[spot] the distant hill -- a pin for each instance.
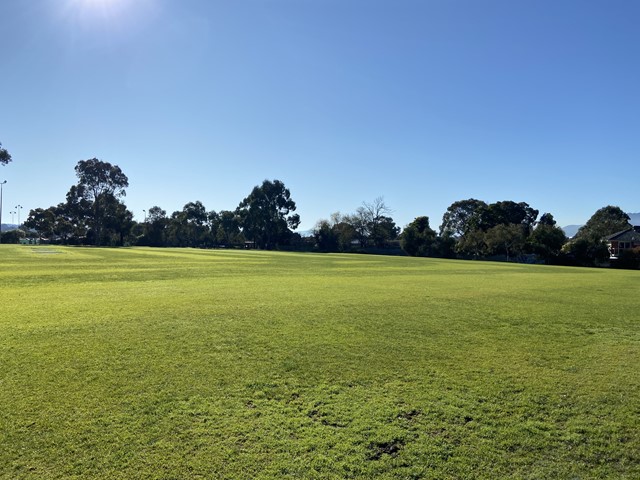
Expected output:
(571, 230)
(6, 227)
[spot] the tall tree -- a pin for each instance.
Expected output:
(117, 221)
(155, 227)
(190, 226)
(418, 239)
(265, 215)
(547, 239)
(461, 217)
(42, 221)
(77, 211)
(227, 228)
(97, 181)
(377, 221)
(505, 238)
(5, 156)
(588, 246)
(472, 243)
(606, 221)
(384, 231)
(344, 231)
(325, 236)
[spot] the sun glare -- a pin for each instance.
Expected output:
(97, 9)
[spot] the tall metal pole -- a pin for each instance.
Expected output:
(1, 184)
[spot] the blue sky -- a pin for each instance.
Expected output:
(422, 102)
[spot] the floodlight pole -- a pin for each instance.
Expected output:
(145, 216)
(18, 208)
(1, 184)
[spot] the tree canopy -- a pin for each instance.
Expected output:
(418, 238)
(100, 178)
(5, 156)
(100, 184)
(589, 246)
(94, 213)
(605, 221)
(265, 215)
(461, 216)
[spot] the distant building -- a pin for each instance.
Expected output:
(625, 240)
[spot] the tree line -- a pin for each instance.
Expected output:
(94, 213)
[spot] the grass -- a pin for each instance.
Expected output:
(168, 363)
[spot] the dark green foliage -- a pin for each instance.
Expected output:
(5, 156)
(506, 213)
(92, 213)
(589, 246)
(370, 228)
(628, 259)
(384, 231)
(374, 225)
(13, 236)
(337, 234)
(586, 251)
(472, 244)
(226, 229)
(482, 229)
(508, 239)
(606, 221)
(326, 237)
(100, 184)
(547, 238)
(460, 217)
(42, 221)
(265, 215)
(189, 227)
(99, 178)
(346, 234)
(154, 229)
(418, 239)
(117, 221)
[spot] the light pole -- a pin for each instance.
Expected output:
(18, 208)
(1, 184)
(145, 216)
(12, 214)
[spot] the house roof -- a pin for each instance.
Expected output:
(629, 235)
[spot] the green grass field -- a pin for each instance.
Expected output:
(174, 364)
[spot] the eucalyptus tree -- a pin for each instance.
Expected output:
(265, 215)
(100, 184)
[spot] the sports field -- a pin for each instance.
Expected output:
(177, 363)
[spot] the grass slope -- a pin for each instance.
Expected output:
(143, 363)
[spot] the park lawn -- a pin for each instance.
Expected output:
(180, 363)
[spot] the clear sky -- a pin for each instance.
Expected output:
(423, 102)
